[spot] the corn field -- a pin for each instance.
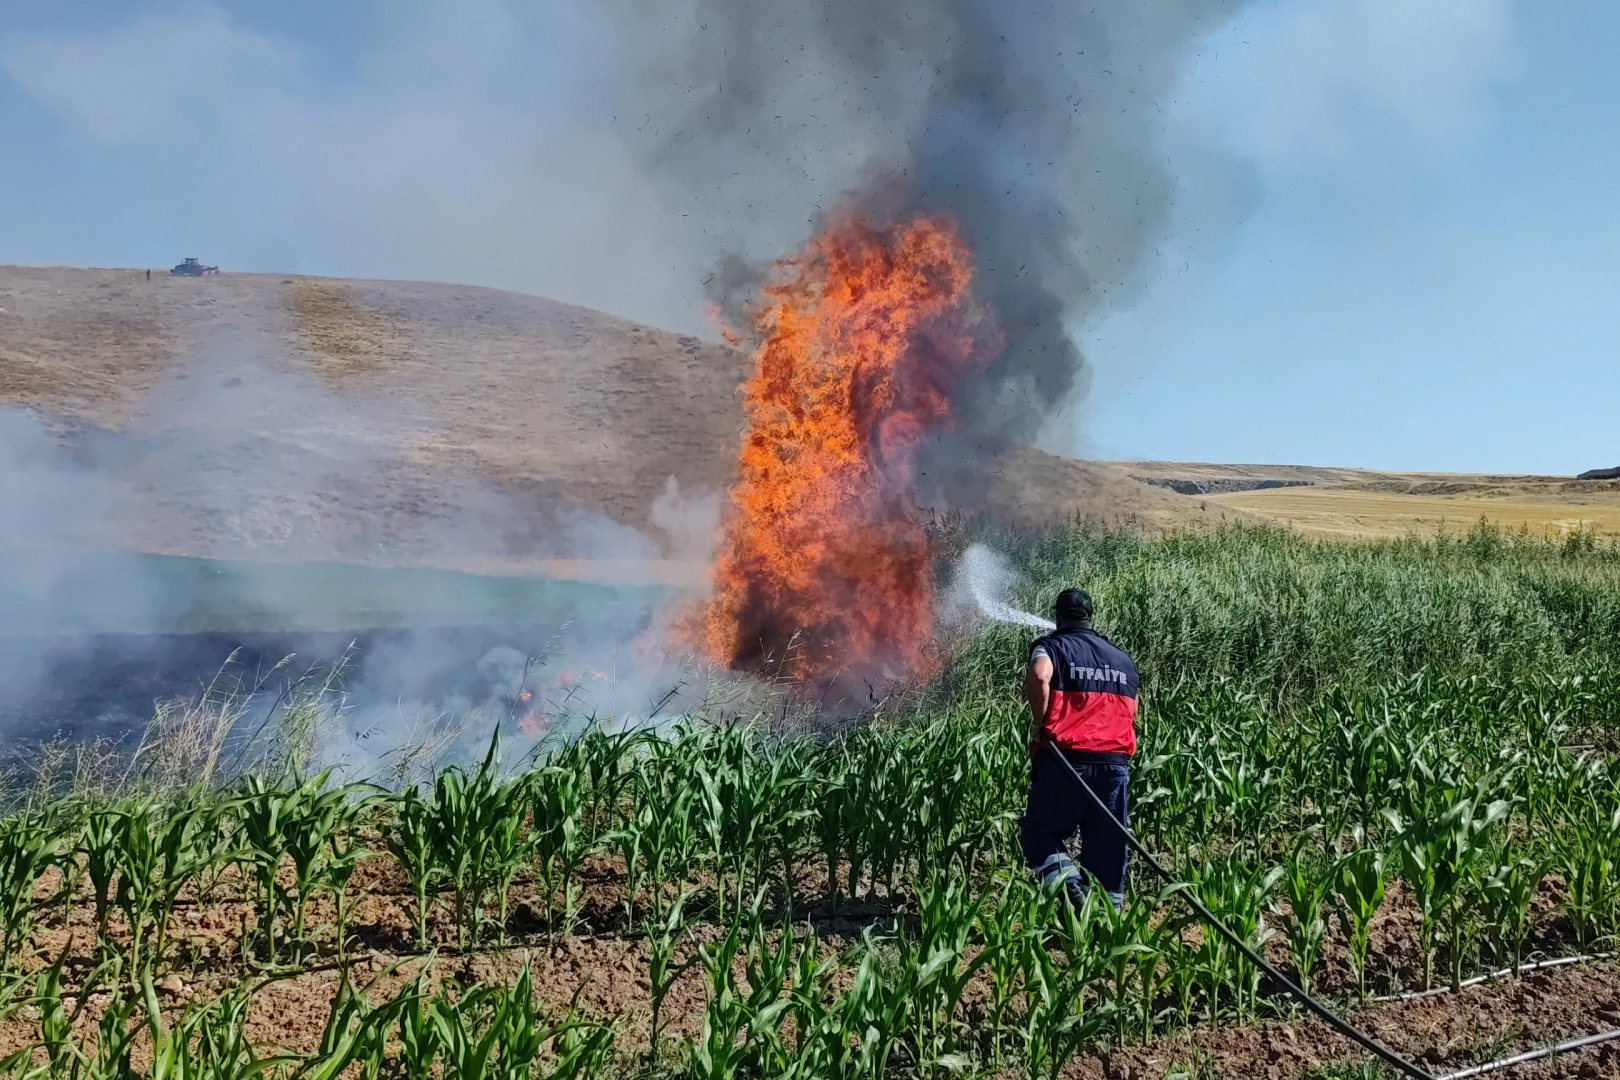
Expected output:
(854, 906)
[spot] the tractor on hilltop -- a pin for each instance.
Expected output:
(190, 267)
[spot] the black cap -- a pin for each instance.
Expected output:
(1073, 606)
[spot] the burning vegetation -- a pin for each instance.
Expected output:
(861, 340)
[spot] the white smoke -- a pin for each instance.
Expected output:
(247, 505)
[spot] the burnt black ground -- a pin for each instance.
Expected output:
(106, 686)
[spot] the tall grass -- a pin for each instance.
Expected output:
(1292, 617)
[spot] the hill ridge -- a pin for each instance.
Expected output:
(290, 416)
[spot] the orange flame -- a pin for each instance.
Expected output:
(823, 562)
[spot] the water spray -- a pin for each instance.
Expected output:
(984, 576)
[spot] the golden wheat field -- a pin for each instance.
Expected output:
(1371, 513)
(1366, 503)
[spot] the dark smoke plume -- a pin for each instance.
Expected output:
(1035, 124)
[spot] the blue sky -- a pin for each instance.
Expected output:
(1402, 289)
(1397, 237)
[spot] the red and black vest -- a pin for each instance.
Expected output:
(1093, 705)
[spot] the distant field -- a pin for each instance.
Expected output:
(1368, 513)
(1361, 502)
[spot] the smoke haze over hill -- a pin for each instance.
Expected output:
(490, 143)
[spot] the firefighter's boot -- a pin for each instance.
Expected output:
(1060, 867)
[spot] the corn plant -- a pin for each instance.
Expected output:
(209, 1041)
(1164, 951)
(1058, 1018)
(1306, 887)
(1436, 846)
(156, 852)
(417, 1034)
(64, 1055)
(662, 970)
(878, 782)
(1360, 747)
(492, 1032)
(13, 992)
(345, 851)
(1142, 942)
(960, 812)
(128, 1011)
(742, 800)
(558, 840)
(605, 762)
(98, 843)
(138, 861)
(1506, 889)
(355, 1037)
(507, 850)
(1588, 853)
(939, 967)
(834, 810)
(1358, 891)
(871, 1014)
(29, 844)
(282, 821)
(1172, 799)
(1248, 788)
(1011, 925)
(261, 807)
(471, 822)
(790, 824)
(1238, 895)
(823, 1045)
(1119, 937)
(741, 1020)
(316, 825)
(409, 839)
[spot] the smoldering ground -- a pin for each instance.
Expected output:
(249, 513)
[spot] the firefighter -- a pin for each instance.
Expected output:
(1081, 690)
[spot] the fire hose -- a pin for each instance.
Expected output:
(1338, 1023)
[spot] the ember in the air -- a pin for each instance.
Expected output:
(862, 338)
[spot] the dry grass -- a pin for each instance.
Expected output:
(1348, 512)
(343, 337)
(1364, 503)
(86, 350)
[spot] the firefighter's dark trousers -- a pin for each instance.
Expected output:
(1057, 808)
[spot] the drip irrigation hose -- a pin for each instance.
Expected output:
(1534, 1055)
(1492, 976)
(1342, 1026)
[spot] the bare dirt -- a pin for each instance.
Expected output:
(1443, 1034)
(295, 418)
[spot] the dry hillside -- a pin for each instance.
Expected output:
(283, 417)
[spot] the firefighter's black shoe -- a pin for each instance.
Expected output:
(1059, 867)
